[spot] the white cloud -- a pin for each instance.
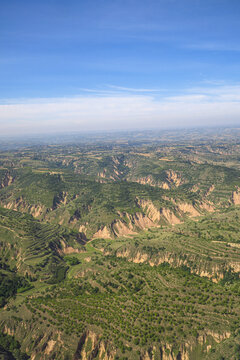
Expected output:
(135, 90)
(219, 105)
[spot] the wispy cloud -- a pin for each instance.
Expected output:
(218, 93)
(212, 105)
(136, 90)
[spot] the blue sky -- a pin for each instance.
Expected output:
(113, 64)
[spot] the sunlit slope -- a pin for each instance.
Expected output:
(35, 249)
(154, 192)
(127, 251)
(172, 290)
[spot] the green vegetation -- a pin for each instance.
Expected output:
(121, 250)
(10, 348)
(10, 284)
(140, 305)
(72, 260)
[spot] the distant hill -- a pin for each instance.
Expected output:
(127, 248)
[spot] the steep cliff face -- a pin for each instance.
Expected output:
(69, 212)
(141, 221)
(174, 178)
(7, 180)
(103, 233)
(90, 346)
(127, 224)
(148, 180)
(122, 228)
(188, 209)
(21, 205)
(60, 199)
(210, 190)
(155, 214)
(50, 345)
(65, 249)
(151, 216)
(207, 206)
(150, 209)
(102, 174)
(41, 343)
(186, 351)
(203, 268)
(170, 217)
(235, 199)
(166, 352)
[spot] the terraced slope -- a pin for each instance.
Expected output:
(121, 251)
(35, 249)
(155, 193)
(165, 292)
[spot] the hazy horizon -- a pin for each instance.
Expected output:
(76, 66)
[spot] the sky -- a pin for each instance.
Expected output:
(79, 65)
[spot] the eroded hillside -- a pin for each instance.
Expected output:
(121, 251)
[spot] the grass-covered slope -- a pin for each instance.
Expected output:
(165, 291)
(128, 310)
(89, 205)
(34, 249)
(121, 250)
